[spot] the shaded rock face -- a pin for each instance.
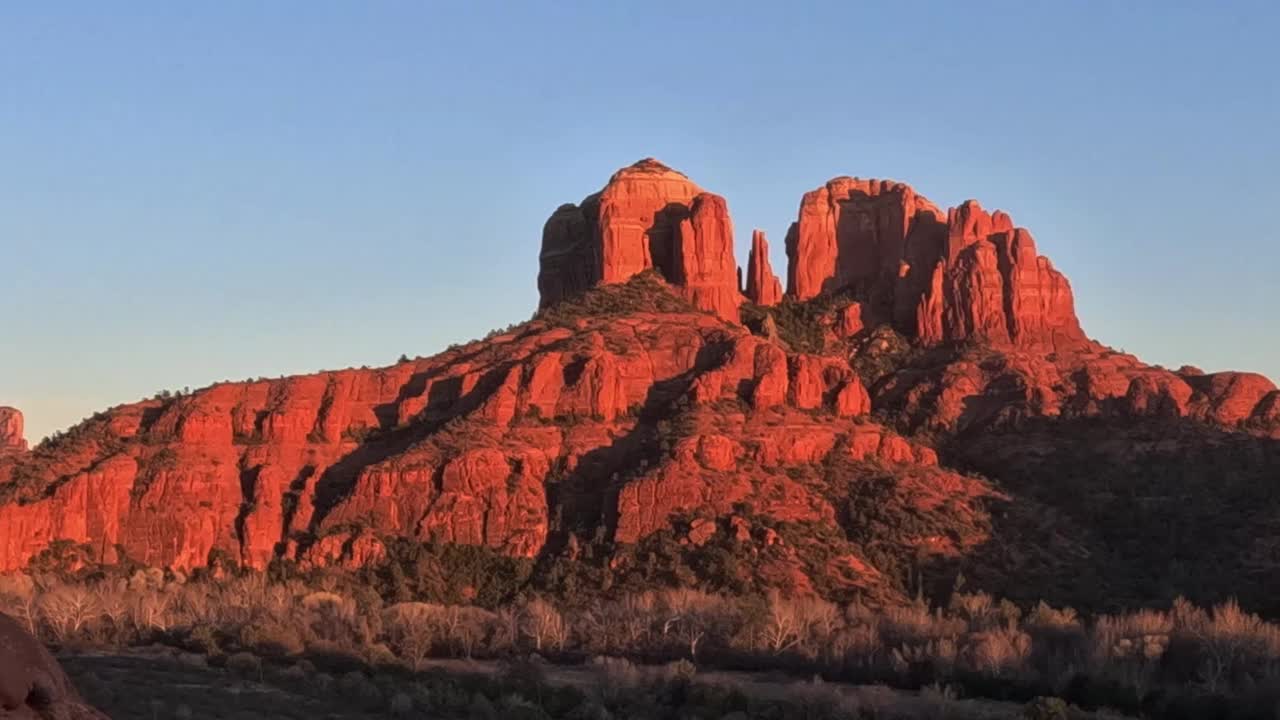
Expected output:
(763, 287)
(648, 217)
(32, 685)
(854, 232)
(965, 275)
(11, 437)
(977, 389)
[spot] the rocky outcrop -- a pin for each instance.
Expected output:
(965, 275)
(1232, 398)
(979, 389)
(995, 287)
(11, 434)
(648, 217)
(855, 232)
(961, 275)
(763, 287)
(740, 460)
(702, 267)
(32, 685)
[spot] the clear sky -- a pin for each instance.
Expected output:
(193, 192)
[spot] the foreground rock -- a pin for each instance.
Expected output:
(32, 685)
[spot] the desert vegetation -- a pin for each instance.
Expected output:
(643, 654)
(645, 292)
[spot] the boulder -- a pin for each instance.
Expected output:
(32, 684)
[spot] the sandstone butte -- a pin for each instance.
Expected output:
(648, 217)
(616, 414)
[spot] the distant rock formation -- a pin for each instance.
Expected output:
(11, 433)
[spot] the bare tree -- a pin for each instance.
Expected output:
(544, 624)
(114, 607)
(781, 628)
(68, 609)
(506, 629)
(413, 629)
(465, 627)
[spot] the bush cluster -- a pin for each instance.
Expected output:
(646, 292)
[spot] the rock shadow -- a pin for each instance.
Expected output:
(1116, 513)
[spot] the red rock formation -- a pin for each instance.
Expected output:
(744, 459)
(702, 266)
(1231, 398)
(11, 437)
(850, 320)
(460, 448)
(852, 399)
(636, 422)
(996, 288)
(861, 233)
(570, 261)
(970, 275)
(647, 217)
(964, 275)
(1159, 394)
(763, 287)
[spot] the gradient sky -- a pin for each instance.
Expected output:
(193, 192)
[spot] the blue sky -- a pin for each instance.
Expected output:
(197, 192)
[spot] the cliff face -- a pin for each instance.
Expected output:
(828, 436)
(963, 275)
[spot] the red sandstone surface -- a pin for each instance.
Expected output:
(763, 287)
(965, 274)
(647, 217)
(634, 419)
